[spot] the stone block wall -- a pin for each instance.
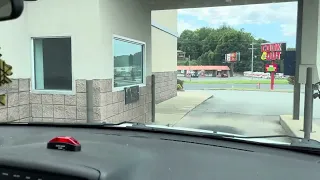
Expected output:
(110, 106)
(17, 106)
(59, 107)
(24, 106)
(166, 85)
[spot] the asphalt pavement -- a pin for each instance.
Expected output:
(244, 112)
(215, 78)
(222, 86)
(245, 86)
(257, 103)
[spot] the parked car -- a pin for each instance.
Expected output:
(195, 74)
(224, 75)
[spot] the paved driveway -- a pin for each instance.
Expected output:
(243, 112)
(245, 86)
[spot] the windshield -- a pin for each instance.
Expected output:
(227, 68)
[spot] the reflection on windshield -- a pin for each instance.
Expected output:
(227, 69)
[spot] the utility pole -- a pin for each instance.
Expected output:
(252, 55)
(189, 67)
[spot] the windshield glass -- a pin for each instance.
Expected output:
(228, 68)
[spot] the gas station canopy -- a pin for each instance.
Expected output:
(180, 4)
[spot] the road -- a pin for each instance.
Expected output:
(250, 86)
(215, 78)
(243, 112)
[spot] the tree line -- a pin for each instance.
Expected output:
(208, 46)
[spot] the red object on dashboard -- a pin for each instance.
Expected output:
(65, 139)
(65, 143)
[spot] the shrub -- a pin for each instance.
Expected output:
(180, 82)
(179, 87)
(291, 80)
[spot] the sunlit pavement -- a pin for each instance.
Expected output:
(243, 112)
(171, 111)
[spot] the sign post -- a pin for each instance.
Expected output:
(272, 78)
(272, 68)
(272, 52)
(232, 58)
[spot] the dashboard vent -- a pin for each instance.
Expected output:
(13, 173)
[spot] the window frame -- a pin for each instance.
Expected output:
(133, 41)
(33, 77)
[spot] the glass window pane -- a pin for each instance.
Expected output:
(52, 61)
(128, 63)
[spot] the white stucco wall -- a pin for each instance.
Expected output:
(14, 45)
(90, 24)
(164, 51)
(47, 18)
(164, 43)
(128, 19)
(166, 18)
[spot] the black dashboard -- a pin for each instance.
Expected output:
(113, 154)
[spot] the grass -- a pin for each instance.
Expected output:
(249, 81)
(251, 89)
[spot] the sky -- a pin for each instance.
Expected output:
(125, 48)
(274, 22)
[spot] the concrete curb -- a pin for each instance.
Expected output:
(286, 127)
(295, 127)
(288, 130)
(193, 109)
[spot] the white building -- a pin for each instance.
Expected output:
(65, 56)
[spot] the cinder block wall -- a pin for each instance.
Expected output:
(108, 106)
(166, 85)
(60, 108)
(17, 106)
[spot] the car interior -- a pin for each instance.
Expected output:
(120, 153)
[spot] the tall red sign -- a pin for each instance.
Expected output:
(271, 52)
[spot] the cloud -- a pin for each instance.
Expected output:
(183, 25)
(283, 13)
(289, 29)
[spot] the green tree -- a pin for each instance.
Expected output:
(291, 49)
(258, 64)
(207, 58)
(189, 43)
(209, 46)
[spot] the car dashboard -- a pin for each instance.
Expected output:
(119, 154)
